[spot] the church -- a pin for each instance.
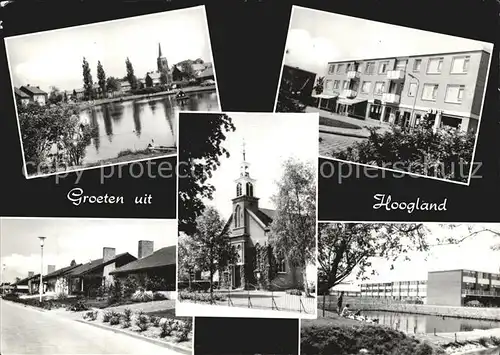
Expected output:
(249, 225)
(154, 78)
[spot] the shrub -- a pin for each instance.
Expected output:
(11, 297)
(62, 296)
(142, 322)
(294, 292)
(200, 296)
(115, 318)
(157, 296)
(91, 316)
(167, 328)
(79, 306)
(107, 316)
(126, 324)
(155, 320)
(444, 154)
(127, 315)
(142, 296)
(183, 335)
(130, 286)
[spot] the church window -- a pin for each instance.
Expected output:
(281, 264)
(238, 189)
(249, 189)
(237, 216)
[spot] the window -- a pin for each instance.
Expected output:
(435, 65)
(340, 67)
(329, 85)
(379, 88)
(237, 216)
(460, 65)
(382, 67)
(249, 189)
(401, 64)
(412, 89)
(429, 92)
(281, 264)
(417, 64)
(370, 66)
(331, 69)
(238, 190)
(366, 87)
(345, 85)
(454, 93)
(336, 84)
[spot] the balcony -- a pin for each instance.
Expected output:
(398, 74)
(390, 98)
(349, 94)
(353, 74)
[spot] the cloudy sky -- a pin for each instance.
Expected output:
(54, 58)
(79, 239)
(474, 254)
(317, 37)
(270, 139)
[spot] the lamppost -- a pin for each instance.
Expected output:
(3, 278)
(41, 267)
(416, 93)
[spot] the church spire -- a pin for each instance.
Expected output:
(159, 50)
(244, 159)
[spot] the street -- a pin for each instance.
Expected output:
(334, 142)
(28, 331)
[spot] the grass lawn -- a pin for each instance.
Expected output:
(332, 122)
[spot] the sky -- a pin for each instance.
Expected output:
(54, 58)
(77, 238)
(270, 139)
(474, 253)
(317, 37)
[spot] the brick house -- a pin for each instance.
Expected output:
(35, 94)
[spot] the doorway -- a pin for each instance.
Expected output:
(236, 276)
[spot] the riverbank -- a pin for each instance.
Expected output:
(129, 156)
(187, 90)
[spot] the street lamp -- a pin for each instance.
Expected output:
(41, 267)
(3, 278)
(416, 93)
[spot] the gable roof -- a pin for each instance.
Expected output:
(154, 75)
(209, 71)
(33, 90)
(60, 271)
(25, 280)
(162, 257)
(21, 94)
(94, 264)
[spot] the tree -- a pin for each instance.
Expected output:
(130, 74)
(87, 80)
(185, 257)
(163, 78)
(74, 95)
(319, 84)
(112, 84)
(211, 246)
(177, 75)
(187, 68)
(101, 77)
(43, 127)
(55, 95)
(198, 157)
(293, 230)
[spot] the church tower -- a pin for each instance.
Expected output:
(162, 62)
(245, 197)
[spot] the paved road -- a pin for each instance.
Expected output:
(28, 331)
(334, 142)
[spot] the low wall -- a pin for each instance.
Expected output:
(171, 295)
(382, 304)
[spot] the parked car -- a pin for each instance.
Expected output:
(208, 82)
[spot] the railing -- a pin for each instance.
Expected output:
(390, 98)
(353, 74)
(347, 93)
(397, 74)
(481, 293)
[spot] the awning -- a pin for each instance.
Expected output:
(350, 101)
(324, 96)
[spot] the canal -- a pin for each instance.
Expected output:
(418, 323)
(133, 124)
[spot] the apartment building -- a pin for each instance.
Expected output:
(458, 287)
(443, 89)
(396, 290)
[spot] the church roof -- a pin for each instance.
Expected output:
(264, 215)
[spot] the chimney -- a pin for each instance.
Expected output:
(108, 253)
(145, 248)
(38, 87)
(51, 268)
(31, 273)
(28, 85)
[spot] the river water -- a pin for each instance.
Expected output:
(418, 323)
(133, 124)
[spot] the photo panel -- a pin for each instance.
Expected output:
(391, 97)
(238, 336)
(110, 92)
(94, 286)
(247, 215)
(407, 288)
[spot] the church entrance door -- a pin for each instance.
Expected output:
(236, 276)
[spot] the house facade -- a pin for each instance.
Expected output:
(249, 227)
(297, 81)
(445, 88)
(22, 97)
(35, 94)
(396, 290)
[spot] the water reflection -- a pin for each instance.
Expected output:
(134, 124)
(418, 323)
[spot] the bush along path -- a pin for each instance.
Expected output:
(168, 330)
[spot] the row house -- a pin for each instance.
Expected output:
(396, 290)
(446, 88)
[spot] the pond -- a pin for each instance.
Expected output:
(419, 323)
(133, 124)
(486, 352)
